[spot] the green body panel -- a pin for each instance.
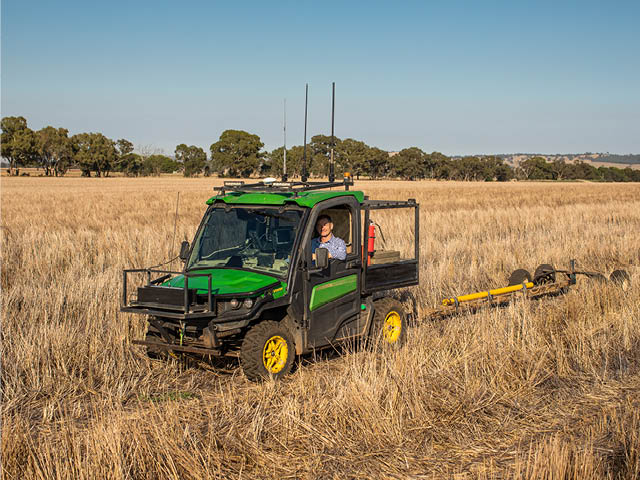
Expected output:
(280, 291)
(303, 199)
(332, 290)
(228, 281)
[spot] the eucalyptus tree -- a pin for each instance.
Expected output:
(55, 150)
(18, 143)
(94, 153)
(192, 158)
(237, 153)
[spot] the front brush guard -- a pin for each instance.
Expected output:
(171, 302)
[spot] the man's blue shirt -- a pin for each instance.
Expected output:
(336, 246)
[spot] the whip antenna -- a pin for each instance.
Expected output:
(175, 223)
(332, 176)
(284, 129)
(304, 150)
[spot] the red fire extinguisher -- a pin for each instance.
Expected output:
(371, 242)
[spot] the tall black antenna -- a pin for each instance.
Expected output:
(175, 225)
(304, 150)
(332, 176)
(284, 151)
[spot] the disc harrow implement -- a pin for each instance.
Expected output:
(546, 281)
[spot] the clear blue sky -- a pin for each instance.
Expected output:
(456, 77)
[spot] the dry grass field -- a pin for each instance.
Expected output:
(546, 389)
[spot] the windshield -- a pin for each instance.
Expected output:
(258, 239)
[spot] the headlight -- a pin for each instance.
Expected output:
(234, 303)
(248, 303)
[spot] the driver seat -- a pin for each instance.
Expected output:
(341, 225)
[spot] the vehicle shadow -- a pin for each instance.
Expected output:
(229, 366)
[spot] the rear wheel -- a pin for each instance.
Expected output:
(267, 351)
(390, 322)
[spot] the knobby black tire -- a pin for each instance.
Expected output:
(383, 307)
(253, 345)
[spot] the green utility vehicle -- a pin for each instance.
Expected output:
(251, 287)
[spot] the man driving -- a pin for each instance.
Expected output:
(326, 239)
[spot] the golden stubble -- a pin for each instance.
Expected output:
(541, 389)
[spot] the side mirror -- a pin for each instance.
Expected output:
(184, 251)
(322, 258)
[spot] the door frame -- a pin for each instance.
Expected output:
(352, 266)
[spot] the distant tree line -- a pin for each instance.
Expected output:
(538, 168)
(240, 154)
(55, 152)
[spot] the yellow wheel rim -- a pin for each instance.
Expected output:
(392, 326)
(275, 354)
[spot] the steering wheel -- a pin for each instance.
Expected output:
(255, 239)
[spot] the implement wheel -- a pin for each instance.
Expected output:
(519, 276)
(267, 351)
(390, 322)
(620, 277)
(545, 273)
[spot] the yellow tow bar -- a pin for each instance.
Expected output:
(496, 292)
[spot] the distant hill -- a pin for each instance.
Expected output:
(612, 158)
(596, 159)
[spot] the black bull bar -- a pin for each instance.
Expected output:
(172, 302)
(180, 303)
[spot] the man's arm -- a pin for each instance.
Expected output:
(341, 249)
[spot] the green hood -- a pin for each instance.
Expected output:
(226, 281)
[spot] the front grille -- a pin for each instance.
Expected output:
(163, 295)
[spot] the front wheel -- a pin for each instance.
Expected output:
(390, 322)
(267, 351)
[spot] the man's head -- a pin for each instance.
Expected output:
(324, 226)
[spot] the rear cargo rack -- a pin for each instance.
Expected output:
(376, 278)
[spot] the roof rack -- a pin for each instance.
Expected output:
(240, 186)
